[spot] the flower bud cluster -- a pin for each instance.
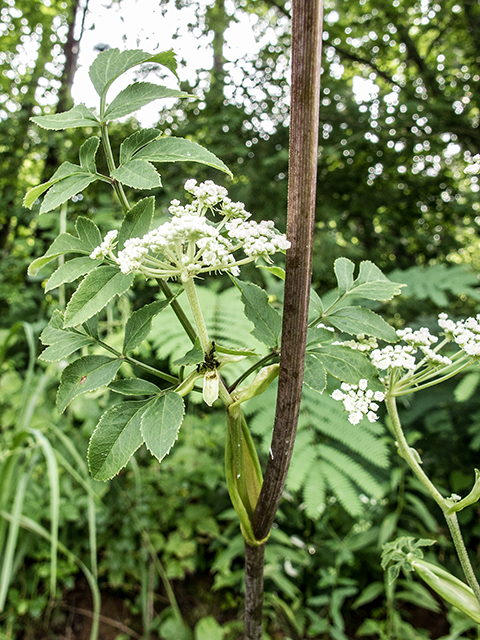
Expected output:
(191, 244)
(106, 246)
(359, 401)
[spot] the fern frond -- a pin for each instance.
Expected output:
(434, 282)
(303, 457)
(343, 489)
(350, 468)
(328, 417)
(314, 493)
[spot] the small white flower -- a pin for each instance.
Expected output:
(358, 401)
(398, 357)
(106, 246)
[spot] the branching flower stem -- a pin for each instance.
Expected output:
(412, 459)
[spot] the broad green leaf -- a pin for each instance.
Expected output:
(115, 439)
(135, 142)
(170, 149)
(372, 284)
(315, 302)
(234, 352)
(137, 221)
(314, 375)
(137, 95)
(109, 65)
(94, 293)
(138, 174)
(87, 154)
(70, 271)
(88, 239)
(267, 320)
(85, 374)
(134, 387)
(161, 423)
(344, 268)
(64, 346)
(65, 189)
(193, 356)
(79, 116)
(356, 320)
(277, 271)
(209, 629)
(139, 324)
(346, 364)
(65, 170)
(316, 336)
(91, 327)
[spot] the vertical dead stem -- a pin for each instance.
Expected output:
(307, 20)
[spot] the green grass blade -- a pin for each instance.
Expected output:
(9, 554)
(33, 526)
(53, 479)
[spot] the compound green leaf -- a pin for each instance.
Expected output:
(138, 174)
(137, 221)
(134, 387)
(267, 320)
(65, 170)
(66, 344)
(109, 65)
(94, 293)
(356, 320)
(79, 116)
(135, 142)
(87, 154)
(344, 268)
(346, 364)
(85, 374)
(137, 95)
(161, 423)
(65, 189)
(88, 238)
(139, 324)
(314, 374)
(115, 439)
(372, 284)
(170, 149)
(70, 271)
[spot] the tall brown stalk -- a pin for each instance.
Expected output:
(307, 23)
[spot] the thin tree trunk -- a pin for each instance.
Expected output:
(307, 21)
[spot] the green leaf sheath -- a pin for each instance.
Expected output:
(161, 423)
(94, 293)
(266, 319)
(356, 320)
(137, 221)
(85, 374)
(140, 323)
(115, 439)
(136, 96)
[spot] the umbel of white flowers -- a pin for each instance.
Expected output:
(190, 244)
(415, 365)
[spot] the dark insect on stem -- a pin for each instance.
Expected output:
(210, 363)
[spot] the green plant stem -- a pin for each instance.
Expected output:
(261, 363)
(198, 318)
(411, 458)
(178, 311)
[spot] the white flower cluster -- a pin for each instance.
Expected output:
(363, 343)
(465, 333)
(106, 246)
(394, 357)
(475, 167)
(190, 244)
(359, 401)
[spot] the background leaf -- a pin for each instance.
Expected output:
(85, 374)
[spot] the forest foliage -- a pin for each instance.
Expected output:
(400, 122)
